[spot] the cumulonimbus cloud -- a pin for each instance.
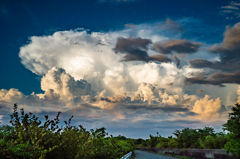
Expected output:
(84, 77)
(82, 56)
(65, 85)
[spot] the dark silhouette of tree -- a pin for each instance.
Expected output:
(233, 126)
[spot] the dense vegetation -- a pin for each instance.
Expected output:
(27, 138)
(233, 126)
(204, 138)
(188, 138)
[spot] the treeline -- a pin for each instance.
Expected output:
(187, 138)
(205, 138)
(27, 138)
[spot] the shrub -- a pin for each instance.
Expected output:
(27, 139)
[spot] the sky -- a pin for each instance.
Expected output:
(136, 67)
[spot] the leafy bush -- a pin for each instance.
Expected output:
(27, 139)
(145, 143)
(208, 142)
(233, 145)
(153, 141)
(163, 143)
(172, 143)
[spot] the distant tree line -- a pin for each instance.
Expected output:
(205, 138)
(187, 138)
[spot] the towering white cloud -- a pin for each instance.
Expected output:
(207, 108)
(11, 95)
(58, 84)
(146, 92)
(90, 56)
(116, 80)
(84, 77)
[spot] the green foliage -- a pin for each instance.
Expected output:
(27, 139)
(145, 143)
(232, 145)
(193, 138)
(203, 138)
(172, 143)
(163, 142)
(153, 140)
(138, 141)
(188, 138)
(233, 126)
(208, 142)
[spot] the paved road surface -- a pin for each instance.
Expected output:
(148, 155)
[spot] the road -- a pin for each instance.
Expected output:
(148, 155)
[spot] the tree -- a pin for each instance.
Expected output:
(153, 140)
(233, 126)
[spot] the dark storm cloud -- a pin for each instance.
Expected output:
(171, 25)
(176, 60)
(178, 46)
(229, 53)
(134, 48)
(216, 79)
(160, 58)
(224, 66)
(229, 49)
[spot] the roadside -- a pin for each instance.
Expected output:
(149, 155)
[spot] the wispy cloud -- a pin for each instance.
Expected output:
(231, 10)
(235, 3)
(171, 25)
(230, 7)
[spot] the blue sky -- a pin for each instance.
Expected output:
(145, 63)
